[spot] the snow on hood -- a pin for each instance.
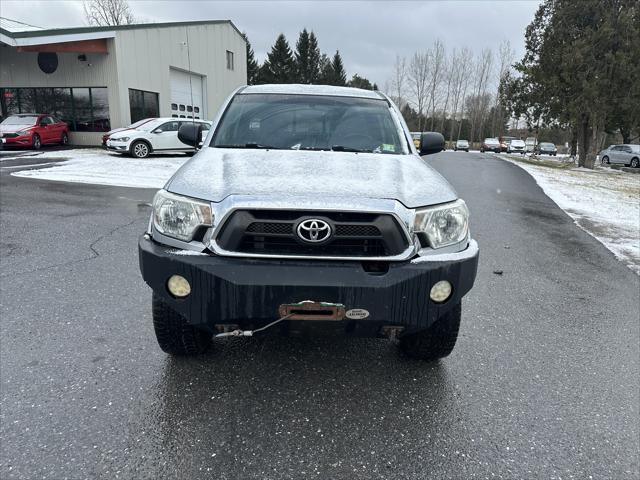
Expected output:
(215, 173)
(10, 128)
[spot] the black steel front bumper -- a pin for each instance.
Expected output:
(226, 290)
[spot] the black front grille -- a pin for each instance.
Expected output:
(273, 232)
(268, 227)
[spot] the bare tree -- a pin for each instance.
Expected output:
(450, 77)
(506, 55)
(399, 80)
(108, 12)
(437, 61)
(418, 76)
(461, 69)
(481, 77)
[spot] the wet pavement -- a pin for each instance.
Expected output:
(543, 382)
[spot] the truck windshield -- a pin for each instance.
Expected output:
(308, 122)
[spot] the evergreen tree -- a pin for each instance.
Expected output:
(326, 71)
(360, 82)
(580, 66)
(252, 64)
(279, 65)
(339, 75)
(307, 58)
(301, 56)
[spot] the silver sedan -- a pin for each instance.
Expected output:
(621, 154)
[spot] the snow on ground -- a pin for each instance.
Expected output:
(603, 202)
(91, 165)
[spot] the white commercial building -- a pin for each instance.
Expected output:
(99, 78)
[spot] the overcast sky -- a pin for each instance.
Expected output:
(368, 34)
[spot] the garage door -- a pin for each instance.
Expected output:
(186, 94)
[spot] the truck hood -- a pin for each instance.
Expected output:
(215, 173)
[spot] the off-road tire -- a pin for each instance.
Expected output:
(435, 342)
(175, 336)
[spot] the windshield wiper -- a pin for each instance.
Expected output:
(340, 148)
(247, 145)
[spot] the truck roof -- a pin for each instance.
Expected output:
(299, 89)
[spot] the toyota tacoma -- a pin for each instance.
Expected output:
(308, 206)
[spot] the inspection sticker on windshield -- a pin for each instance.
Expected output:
(357, 313)
(388, 147)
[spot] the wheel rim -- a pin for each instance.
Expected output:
(36, 142)
(634, 163)
(65, 139)
(140, 150)
(606, 159)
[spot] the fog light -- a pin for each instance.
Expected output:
(441, 291)
(178, 286)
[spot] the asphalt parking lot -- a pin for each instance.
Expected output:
(542, 384)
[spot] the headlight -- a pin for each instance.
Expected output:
(443, 225)
(179, 217)
(121, 139)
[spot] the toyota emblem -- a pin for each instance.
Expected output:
(314, 230)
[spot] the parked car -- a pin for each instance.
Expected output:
(516, 146)
(135, 125)
(461, 145)
(157, 135)
(627, 154)
(546, 148)
(287, 216)
(33, 130)
(504, 143)
(490, 145)
(530, 144)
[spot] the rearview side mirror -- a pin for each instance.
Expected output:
(190, 134)
(431, 142)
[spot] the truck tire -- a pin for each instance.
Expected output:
(175, 336)
(435, 342)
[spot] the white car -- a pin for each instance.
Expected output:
(516, 146)
(158, 135)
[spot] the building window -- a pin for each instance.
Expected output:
(84, 109)
(229, 60)
(189, 108)
(143, 104)
(182, 108)
(174, 106)
(196, 109)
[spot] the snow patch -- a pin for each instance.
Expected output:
(99, 167)
(603, 202)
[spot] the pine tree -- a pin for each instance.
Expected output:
(252, 64)
(279, 65)
(313, 73)
(307, 58)
(360, 82)
(581, 65)
(339, 75)
(326, 71)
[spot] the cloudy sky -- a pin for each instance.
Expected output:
(368, 34)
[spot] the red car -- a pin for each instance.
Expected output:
(33, 130)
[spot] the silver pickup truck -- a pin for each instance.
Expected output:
(308, 206)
